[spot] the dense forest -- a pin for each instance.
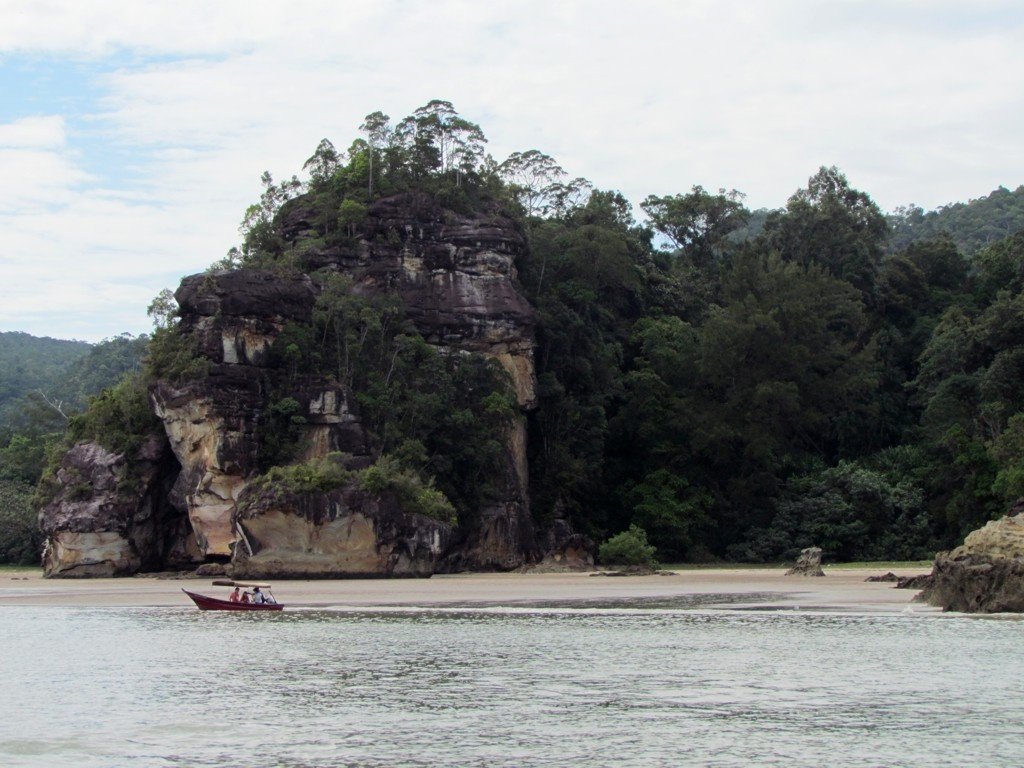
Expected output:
(44, 383)
(738, 384)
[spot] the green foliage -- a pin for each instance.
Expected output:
(119, 418)
(434, 150)
(629, 547)
(44, 381)
(174, 357)
(830, 224)
(313, 476)
(414, 495)
(1008, 450)
(280, 428)
(697, 223)
(20, 538)
(28, 363)
(351, 213)
(781, 378)
(446, 412)
(851, 512)
(587, 273)
(22, 457)
(670, 509)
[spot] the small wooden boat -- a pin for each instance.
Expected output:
(206, 603)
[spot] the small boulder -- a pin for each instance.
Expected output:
(808, 564)
(212, 569)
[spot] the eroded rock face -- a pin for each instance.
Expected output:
(233, 317)
(986, 573)
(456, 277)
(455, 274)
(345, 533)
(112, 517)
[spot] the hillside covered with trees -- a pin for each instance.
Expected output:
(763, 381)
(44, 383)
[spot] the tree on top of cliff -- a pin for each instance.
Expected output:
(537, 183)
(434, 150)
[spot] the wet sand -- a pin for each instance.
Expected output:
(761, 588)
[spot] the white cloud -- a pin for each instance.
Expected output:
(33, 133)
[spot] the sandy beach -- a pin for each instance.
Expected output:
(767, 588)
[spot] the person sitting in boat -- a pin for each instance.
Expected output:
(258, 597)
(269, 599)
(236, 596)
(245, 598)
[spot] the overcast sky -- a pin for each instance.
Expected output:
(133, 134)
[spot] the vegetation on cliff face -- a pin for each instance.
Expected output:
(386, 475)
(758, 382)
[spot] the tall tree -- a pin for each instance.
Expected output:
(698, 222)
(832, 224)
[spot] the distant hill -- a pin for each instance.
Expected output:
(971, 225)
(62, 370)
(29, 363)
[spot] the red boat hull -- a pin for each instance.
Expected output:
(205, 603)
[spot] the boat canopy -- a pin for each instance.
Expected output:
(246, 584)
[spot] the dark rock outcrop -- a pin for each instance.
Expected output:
(112, 515)
(808, 564)
(921, 581)
(986, 573)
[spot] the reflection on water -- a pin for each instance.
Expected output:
(651, 683)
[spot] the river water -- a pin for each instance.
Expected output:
(547, 686)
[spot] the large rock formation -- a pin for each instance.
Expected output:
(112, 514)
(455, 277)
(986, 573)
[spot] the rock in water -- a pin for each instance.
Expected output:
(986, 573)
(808, 564)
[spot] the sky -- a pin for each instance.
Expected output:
(133, 135)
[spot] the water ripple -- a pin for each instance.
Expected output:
(571, 684)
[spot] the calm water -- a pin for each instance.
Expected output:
(526, 687)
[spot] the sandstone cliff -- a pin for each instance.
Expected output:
(454, 275)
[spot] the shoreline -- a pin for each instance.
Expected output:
(840, 590)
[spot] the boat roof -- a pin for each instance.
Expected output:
(231, 583)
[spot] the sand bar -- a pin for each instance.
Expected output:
(840, 590)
